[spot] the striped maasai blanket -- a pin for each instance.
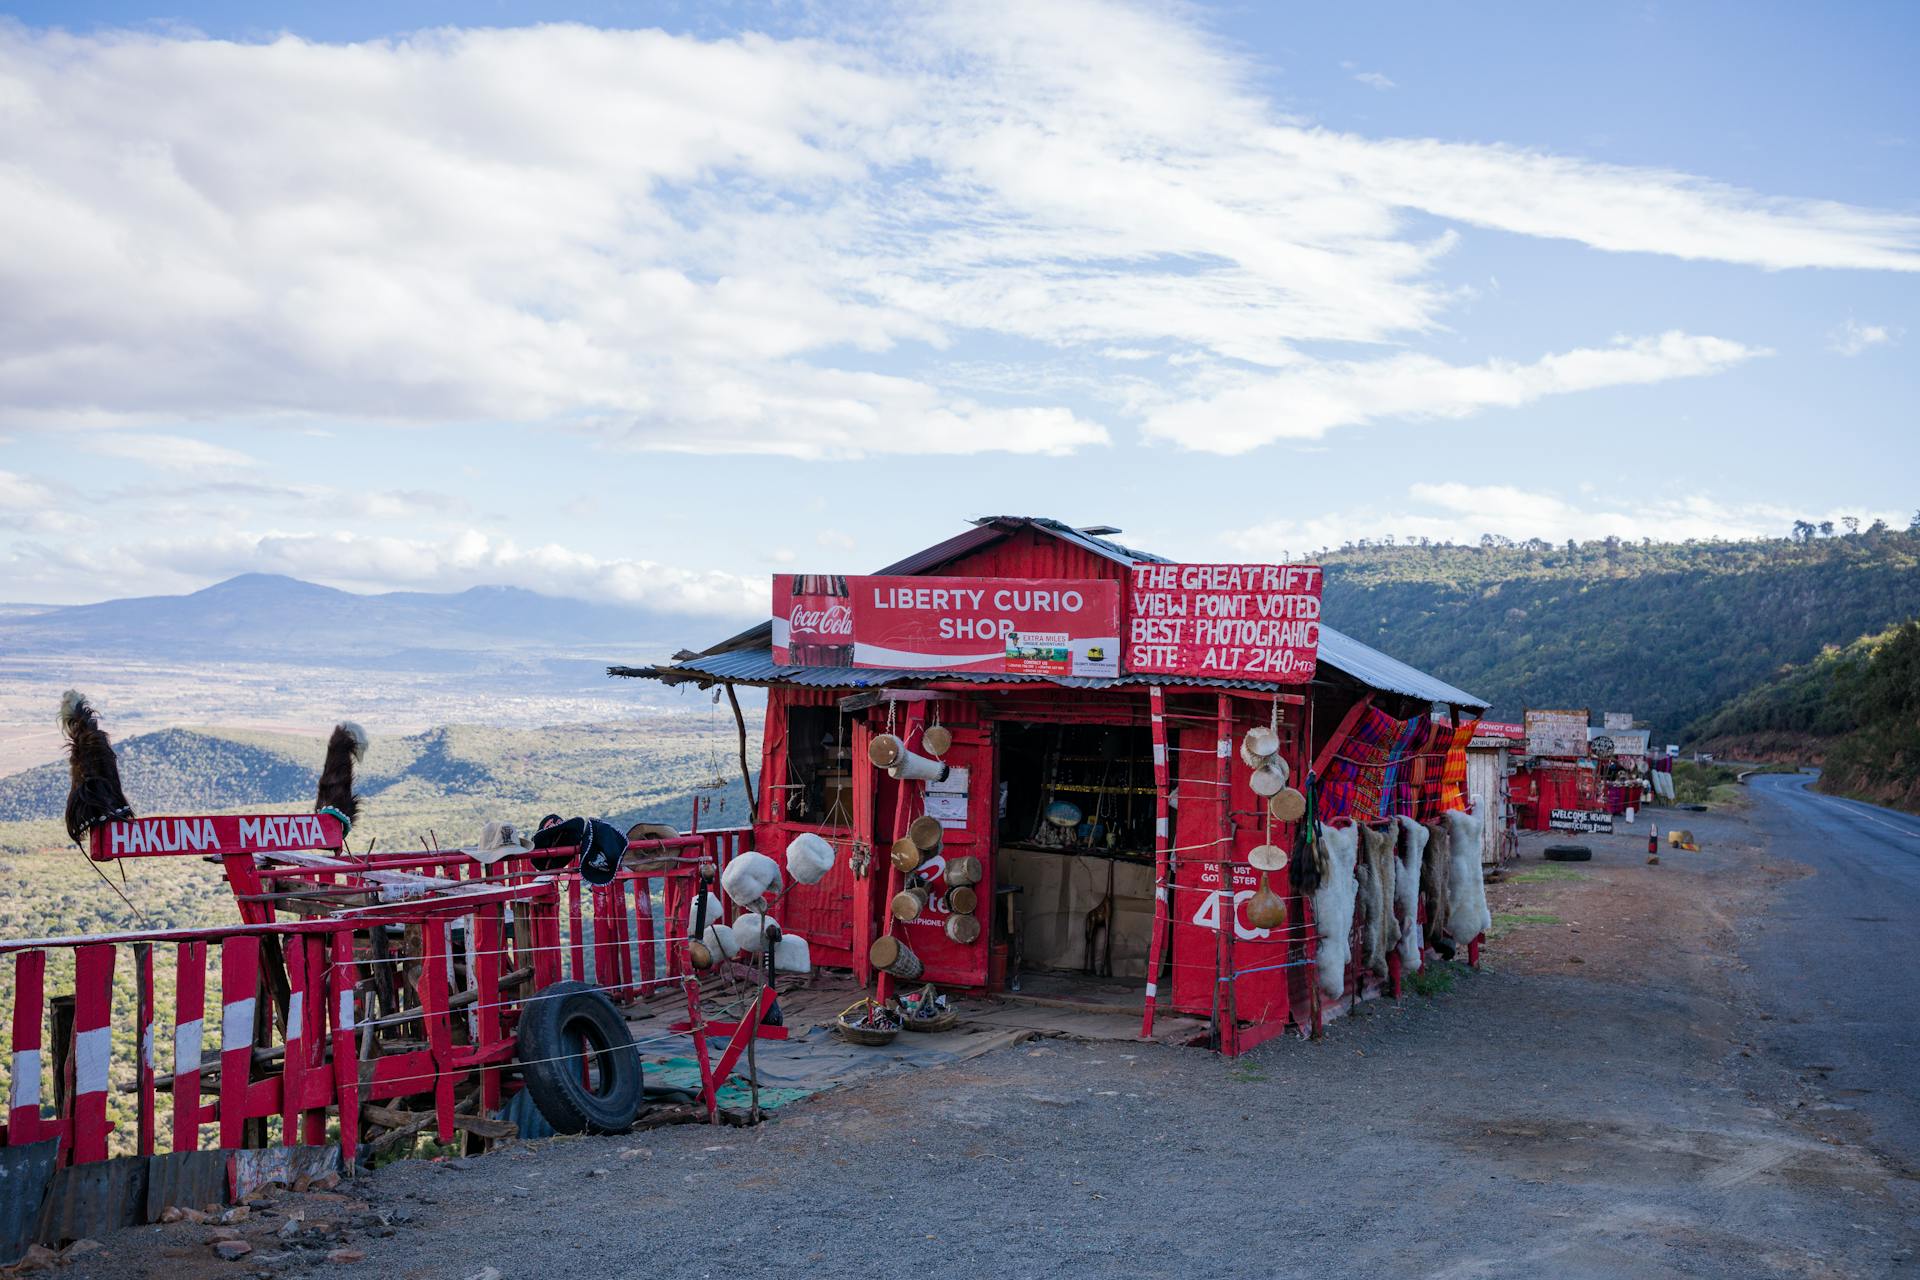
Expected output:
(1350, 788)
(1453, 780)
(1397, 793)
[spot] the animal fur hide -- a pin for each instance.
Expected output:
(1433, 886)
(1333, 907)
(1379, 931)
(1467, 916)
(93, 791)
(347, 745)
(1411, 851)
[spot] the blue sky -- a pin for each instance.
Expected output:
(657, 302)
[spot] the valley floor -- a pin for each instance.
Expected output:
(1632, 1086)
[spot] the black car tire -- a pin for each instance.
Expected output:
(562, 1024)
(1567, 853)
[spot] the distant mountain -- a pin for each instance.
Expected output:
(264, 617)
(172, 771)
(441, 783)
(1667, 631)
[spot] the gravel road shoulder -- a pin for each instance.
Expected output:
(1589, 1104)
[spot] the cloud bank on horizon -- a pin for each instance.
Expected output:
(768, 246)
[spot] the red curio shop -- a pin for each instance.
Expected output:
(1071, 713)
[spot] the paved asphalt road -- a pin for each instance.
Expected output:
(1829, 960)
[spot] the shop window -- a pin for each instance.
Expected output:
(819, 786)
(1078, 789)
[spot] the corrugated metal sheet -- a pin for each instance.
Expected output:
(255, 1167)
(1378, 671)
(1051, 549)
(93, 1199)
(756, 666)
(26, 1176)
(185, 1180)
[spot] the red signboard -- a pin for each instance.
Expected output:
(1021, 626)
(216, 833)
(1250, 621)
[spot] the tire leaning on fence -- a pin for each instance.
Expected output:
(579, 1060)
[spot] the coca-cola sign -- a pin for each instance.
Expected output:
(1017, 626)
(834, 620)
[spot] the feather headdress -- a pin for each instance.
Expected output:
(347, 745)
(93, 795)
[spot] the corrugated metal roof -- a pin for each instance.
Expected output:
(1341, 652)
(1379, 671)
(749, 657)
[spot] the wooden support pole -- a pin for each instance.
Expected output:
(740, 727)
(1162, 844)
(1229, 895)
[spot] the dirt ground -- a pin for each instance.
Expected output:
(1590, 1103)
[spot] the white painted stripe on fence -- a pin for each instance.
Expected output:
(345, 1020)
(1220, 748)
(92, 1050)
(296, 1014)
(26, 1078)
(236, 1025)
(186, 1046)
(1152, 990)
(1160, 827)
(1160, 753)
(146, 1046)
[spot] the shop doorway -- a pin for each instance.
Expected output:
(1077, 846)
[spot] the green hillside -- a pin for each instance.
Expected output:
(1668, 631)
(1856, 709)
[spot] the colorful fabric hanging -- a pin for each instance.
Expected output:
(1453, 779)
(1351, 785)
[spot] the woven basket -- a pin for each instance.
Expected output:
(945, 1020)
(849, 1030)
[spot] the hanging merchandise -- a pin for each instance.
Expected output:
(1270, 778)
(1380, 931)
(927, 835)
(1333, 903)
(809, 858)
(1267, 909)
(750, 878)
(1406, 892)
(896, 957)
(1260, 745)
(938, 739)
(886, 751)
(750, 932)
(791, 954)
(1286, 805)
(962, 900)
(910, 902)
(964, 870)
(906, 856)
(963, 929)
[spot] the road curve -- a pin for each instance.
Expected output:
(1833, 961)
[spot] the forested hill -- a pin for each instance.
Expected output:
(1856, 709)
(1668, 631)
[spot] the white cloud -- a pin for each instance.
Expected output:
(375, 562)
(1307, 402)
(1453, 511)
(167, 452)
(1853, 338)
(1374, 80)
(30, 506)
(752, 244)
